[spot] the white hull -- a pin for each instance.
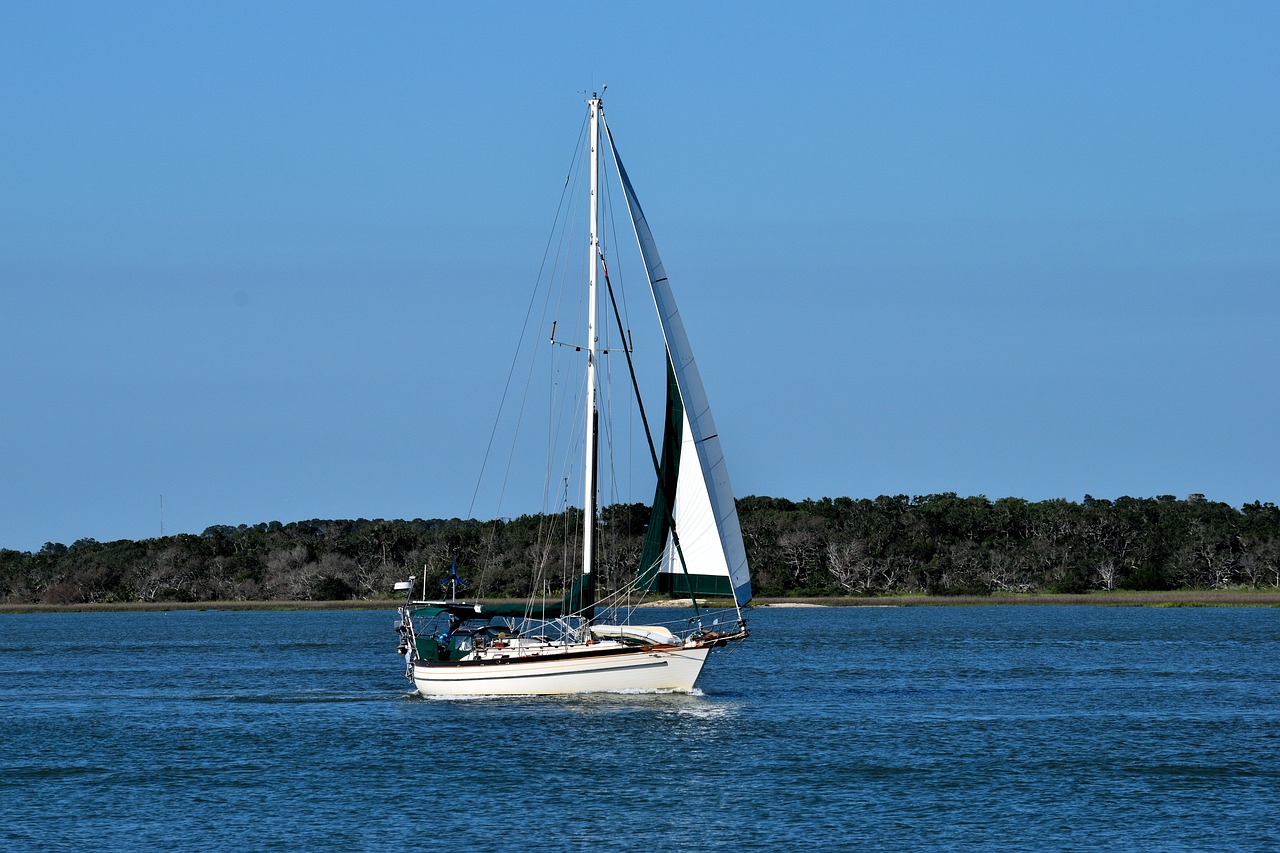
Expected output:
(668, 669)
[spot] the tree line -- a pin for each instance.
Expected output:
(937, 544)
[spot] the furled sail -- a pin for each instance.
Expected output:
(706, 520)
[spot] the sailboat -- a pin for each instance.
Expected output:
(589, 641)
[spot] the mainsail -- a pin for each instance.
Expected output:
(701, 505)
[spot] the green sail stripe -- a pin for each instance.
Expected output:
(681, 585)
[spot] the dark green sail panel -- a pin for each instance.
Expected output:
(679, 585)
(648, 578)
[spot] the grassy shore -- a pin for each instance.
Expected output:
(1178, 598)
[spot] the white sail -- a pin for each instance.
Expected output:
(706, 519)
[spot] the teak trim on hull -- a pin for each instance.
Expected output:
(547, 659)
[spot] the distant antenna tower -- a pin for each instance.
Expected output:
(162, 516)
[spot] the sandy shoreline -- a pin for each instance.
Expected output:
(1180, 598)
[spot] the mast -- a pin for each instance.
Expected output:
(592, 441)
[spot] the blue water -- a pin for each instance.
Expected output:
(920, 729)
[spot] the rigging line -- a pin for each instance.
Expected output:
(560, 415)
(608, 547)
(544, 537)
(653, 454)
(627, 341)
(607, 191)
(555, 361)
(547, 525)
(568, 414)
(520, 343)
(563, 404)
(564, 236)
(622, 285)
(567, 407)
(609, 428)
(566, 544)
(574, 468)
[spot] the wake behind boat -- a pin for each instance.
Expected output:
(586, 642)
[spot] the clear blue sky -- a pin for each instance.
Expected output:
(261, 259)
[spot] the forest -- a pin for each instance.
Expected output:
(934, 544)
